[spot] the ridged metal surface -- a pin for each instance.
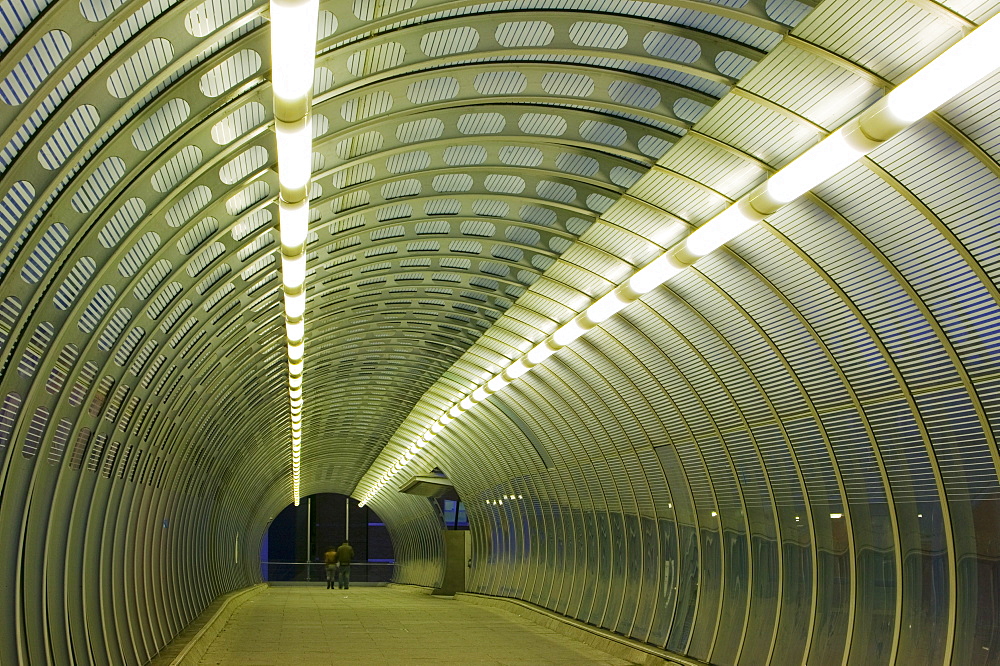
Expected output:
(481, 171)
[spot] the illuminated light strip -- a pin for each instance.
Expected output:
(293, 52)
(962, 65)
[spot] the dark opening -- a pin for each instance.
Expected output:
(293, 547)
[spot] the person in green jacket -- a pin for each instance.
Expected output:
(344, 556)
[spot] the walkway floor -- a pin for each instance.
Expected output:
(302, 626)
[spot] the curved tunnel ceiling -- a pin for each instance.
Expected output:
(480, 172)
(459, 151)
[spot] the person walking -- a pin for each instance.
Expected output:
(330, 559)
(344, 556)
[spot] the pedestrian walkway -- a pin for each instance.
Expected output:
(303, 626)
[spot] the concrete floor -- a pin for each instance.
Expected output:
(303, 626)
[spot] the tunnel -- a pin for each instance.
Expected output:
(693, 303)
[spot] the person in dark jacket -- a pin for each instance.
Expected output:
(344, 556)
(330, 559)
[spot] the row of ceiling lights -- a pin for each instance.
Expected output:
(962, 65)
(293, 51)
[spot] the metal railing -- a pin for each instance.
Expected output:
(361, 572)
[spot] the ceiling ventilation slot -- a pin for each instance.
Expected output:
(109, 460)
(204, 259)
(209, 16)
(35, 67)
(580, 165)
(217, 296)
(426, 129)
(48, 248)
(523, 236)
(449, 42)
(136, 257)
(8, 417)
(362, 144)
(94, 461)
(244, 164)
(599, 203)
(140, 360)
(494, 268)
(464, 155)
(174, 316)
(98, 184)
(152, 279)
(367, 106)
(671, 47)
(36, 347)
(596, 35)
(624, 177)
(384, 233)
(103, 389)
(262, 283)
(256, 267)
(603, 133)
(478, 228)
(504, 184)
(126, 418)
(68, 137)
(59, 439)
(415, 160)
(185, 328)
(401, 188)
(140, 68)
(82, 384)
(520, 156)
(456, 263)
(185, 209)
(60, 370)
(238, 123)
(158, 126)
(442, 207)
(500, 83)
(247, 197)
(200, 233)
(212, 279)
(524, 33)
(481, 123)
(151, 372)
(452, 182)
(79, 448)
(12, 207)
(578, 225)
(634, 95)
(564, 84)
(394, 212)
(229, 73)
(353, 175)
(229, 308)
(368, 10)
(128, 346)
(423, 246)
(379, 251)
(176, 169)
(250, 223)
(95, 310)
(77, 279)
(114, 406)
(376, 59)
(507, 252)
(561, 192)
(36, 432)
(264, 240)
(114, 328)
(433, 90)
